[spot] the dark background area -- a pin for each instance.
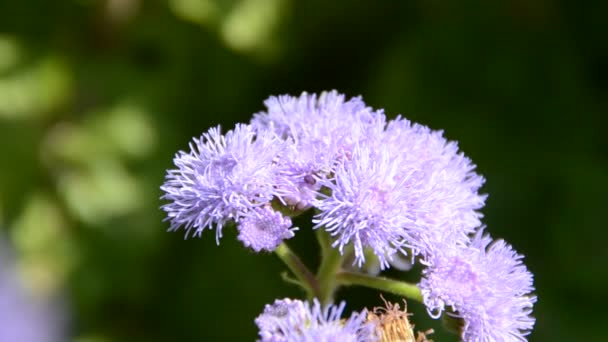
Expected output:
(97, 96)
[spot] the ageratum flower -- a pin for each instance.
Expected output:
(289, 320)
(403, 188)
(223, 178)
(321, 130)
(486, 284)
(264, 229)
(441, 186)
(365, 206)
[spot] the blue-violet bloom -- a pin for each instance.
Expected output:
(365, 206)
(486, 284)
(405, 188)
(223, 178)
(264, 229)
(26, 316)
(321, 131)
(441, 184)
(288, 320)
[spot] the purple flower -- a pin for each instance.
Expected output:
(321, 131)
(441, 184)
(366, 204)
(390, 187)
(403, 188)
(222, 178)
(486, 284)
(264, 229)
(296, 321)
(24, 316)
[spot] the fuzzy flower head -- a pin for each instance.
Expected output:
(264, 229)
(223, 178)
(289, 320)
(405, 188)
(441, 186)
(322, 130)
(365, 206)
(486, 284)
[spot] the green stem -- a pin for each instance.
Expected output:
(331, 262)
(306, 279)
(397, 287)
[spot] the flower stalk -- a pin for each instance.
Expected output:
(305, 277)
(394, 286)
(331, 262)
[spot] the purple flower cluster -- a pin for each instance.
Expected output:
(485, 284)
(225, 178)
(322, 132)
(289, 320)
(390, 187)
(265, 230)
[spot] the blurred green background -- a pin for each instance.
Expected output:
(97, 96)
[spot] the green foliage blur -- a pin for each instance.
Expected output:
(96, 97)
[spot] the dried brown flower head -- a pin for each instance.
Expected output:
(393, 325)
